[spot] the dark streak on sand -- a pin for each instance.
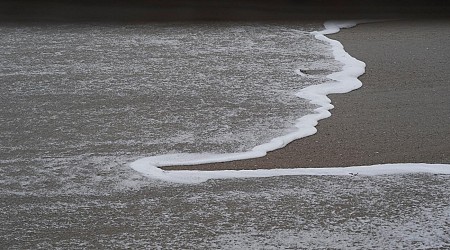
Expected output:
(400, 115)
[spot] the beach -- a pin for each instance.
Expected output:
(401, 114)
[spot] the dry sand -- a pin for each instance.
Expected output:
(400, 115)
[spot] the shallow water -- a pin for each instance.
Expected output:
(297, 212)
(80, 102)
(75, 89)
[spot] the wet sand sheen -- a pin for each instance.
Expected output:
(400, 115)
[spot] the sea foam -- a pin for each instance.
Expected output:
(343, 81)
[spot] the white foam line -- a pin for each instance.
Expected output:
(193, 176)
(343, 82)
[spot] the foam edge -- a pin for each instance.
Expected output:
(343, 82)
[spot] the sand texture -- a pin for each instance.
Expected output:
(400, 115)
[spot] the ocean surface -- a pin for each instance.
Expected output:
(80, 102)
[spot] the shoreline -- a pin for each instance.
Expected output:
(377, 123)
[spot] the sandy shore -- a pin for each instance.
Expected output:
(400, 115)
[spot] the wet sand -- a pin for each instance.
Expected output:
(400, 115)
